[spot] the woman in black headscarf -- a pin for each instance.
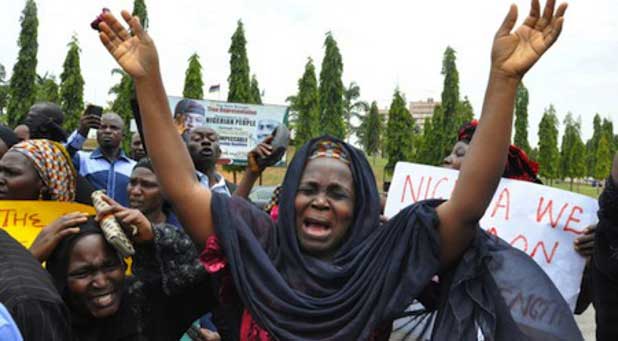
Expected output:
(105, 304)
(326, 270)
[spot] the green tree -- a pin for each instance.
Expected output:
(46, 89)
(22, 83)
(194, 85)
(450, 103)
(572, 151)
(430, 151)
(4, 90)
(521, 118)
(370, 130)
(121, 105)
(549, 156)
(239, 82)
(592, 145)
(139, 9)
(307, 105)
(256, 96)
(72, 87)
(399, 133)
(352, 106)
(331, 90)
(608, 130)
(603, 159)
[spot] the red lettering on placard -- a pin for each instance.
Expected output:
(493, 231)
(549, 208)
(574, 219)
(541, 245)
(522, 238)
(504, 201)
(35, 221)
(408, 183)
(427, 189)
(435, 188)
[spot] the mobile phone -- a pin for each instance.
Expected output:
(194, 333)
(95, 110)
(281, 139)
(95, 23)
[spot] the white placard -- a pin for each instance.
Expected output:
(539, 220)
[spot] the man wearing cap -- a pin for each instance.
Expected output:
(191, 113)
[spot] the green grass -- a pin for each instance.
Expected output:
(582, 189)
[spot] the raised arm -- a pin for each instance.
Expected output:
(137, 55)
(513, 54)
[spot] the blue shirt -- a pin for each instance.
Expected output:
(113, 177)
(8, 328)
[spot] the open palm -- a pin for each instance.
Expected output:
(136, 53)
(514, 53)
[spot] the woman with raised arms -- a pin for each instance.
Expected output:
(326, 270)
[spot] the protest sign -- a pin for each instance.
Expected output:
(240, 126)
(539, 220)
(23, 220)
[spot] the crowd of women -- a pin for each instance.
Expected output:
(320, 263)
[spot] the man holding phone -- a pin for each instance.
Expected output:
(91, 119)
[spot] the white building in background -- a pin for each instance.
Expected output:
(421, 110)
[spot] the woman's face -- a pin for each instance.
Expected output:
(95, 277)
(18, 178)
(324, 206)
(457, 156)
(144, 192)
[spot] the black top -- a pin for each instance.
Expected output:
(29, 294)
(169, 290)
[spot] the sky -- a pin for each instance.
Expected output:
(384, 44)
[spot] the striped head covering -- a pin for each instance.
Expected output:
(54, 166)
(330, 149)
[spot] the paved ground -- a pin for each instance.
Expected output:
(586, 324)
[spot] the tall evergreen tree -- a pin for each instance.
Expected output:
(549, 156)
(592, 145)
(122, 102)
(521, 118)
(603, 159)
(46, 89)
(331, 90)
(571, 155)
(370, 130)
(431, 150)
(239, 81)
(608, 130)
(72, 87)
(399, 132)
(307, 105)
(4, 90)
(352, 107)
(194, 85)
(139, 9)
(450, 102)
(256, 96)
(21, 86)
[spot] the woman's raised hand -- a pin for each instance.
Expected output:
(136, 52)
(514, 53)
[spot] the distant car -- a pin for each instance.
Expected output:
(261, 195)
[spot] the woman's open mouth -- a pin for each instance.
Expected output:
(316, 228)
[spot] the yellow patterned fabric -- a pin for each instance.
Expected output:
(329, 149)
(53, 164)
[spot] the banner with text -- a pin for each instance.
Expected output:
(23, 220)
(539, 220)
(240, 126)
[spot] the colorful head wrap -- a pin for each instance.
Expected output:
(329, 149)
(54, 166)
(518, 165)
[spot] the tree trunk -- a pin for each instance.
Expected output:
(571, 185)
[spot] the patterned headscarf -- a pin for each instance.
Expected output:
(54, 166)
